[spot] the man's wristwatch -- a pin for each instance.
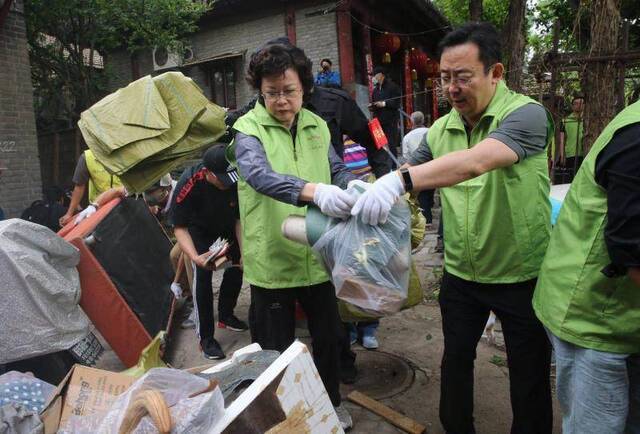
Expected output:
(406, 177)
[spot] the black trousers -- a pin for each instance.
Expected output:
(465, 308)
(272, 324)
(203, 290)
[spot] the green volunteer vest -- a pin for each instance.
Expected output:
(573, 298)
(99, 179)
(270, 260)
(497, 225)
(573, 131)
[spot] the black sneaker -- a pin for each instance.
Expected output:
(211, 349)
(232, 322)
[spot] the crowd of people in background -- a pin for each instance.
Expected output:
(302, 140)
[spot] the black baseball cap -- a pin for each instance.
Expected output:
(214, 160)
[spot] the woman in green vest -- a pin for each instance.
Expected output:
(489, 162)
(286, 162)
(588, 292)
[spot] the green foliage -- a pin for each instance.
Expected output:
(457, 11)
(64, 36)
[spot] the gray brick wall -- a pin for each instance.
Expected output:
(20, 182)
(317, 35)
(247, 36)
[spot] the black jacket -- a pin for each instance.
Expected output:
(391, 94)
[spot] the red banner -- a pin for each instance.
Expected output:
(379, 138)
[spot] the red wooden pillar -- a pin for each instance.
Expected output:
(345, 46)
(408, 86)
(290, 23)
(367, 50)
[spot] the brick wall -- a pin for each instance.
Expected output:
(317, 35)
(248, 36)
(20, 182)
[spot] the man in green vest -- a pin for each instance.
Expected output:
(570, 149)
(489, 162)
(89, 173)
(588, 289)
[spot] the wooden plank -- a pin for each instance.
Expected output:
(395, 418)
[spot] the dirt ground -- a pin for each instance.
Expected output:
(415, 336)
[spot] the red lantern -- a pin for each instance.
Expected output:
(387, 44)
(419, 61)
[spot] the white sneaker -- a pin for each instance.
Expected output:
(370, 342)
(344, 417)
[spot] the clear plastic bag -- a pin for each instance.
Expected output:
(188, 415)
(370, 265)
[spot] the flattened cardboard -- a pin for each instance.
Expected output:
(83, 391)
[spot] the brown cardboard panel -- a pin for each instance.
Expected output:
(82, 392)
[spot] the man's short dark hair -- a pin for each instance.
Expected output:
(326, 60)
(274, 60)
(575, 97)
(483, 35)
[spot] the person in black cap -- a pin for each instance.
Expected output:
(204, 208)
(386, 102)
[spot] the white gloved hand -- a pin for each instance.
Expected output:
(85, 213)
(375, 203)
(333, 201)
(176, 289)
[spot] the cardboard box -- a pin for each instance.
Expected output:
(83, 391)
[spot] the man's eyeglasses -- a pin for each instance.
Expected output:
(459, 81)
(287, 94)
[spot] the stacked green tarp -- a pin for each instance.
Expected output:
(151, 127)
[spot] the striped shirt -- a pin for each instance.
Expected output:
(355, 158)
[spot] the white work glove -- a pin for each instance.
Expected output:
(333, 201)
(176, 289)
(375, 203)
(85, 213)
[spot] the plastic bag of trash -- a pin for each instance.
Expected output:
(193, 403)
(370, 265)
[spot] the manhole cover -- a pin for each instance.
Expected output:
(381, 375)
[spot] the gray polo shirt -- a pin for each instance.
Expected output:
(524, 131)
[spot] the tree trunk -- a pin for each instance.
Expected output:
(600, 101)
(475, 10)
(514, 42)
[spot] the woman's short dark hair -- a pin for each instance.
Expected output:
(274, 60)
(483, 35)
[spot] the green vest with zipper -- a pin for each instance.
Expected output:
(497, 225)
(99, 179)
(269, 259)
(573, 299)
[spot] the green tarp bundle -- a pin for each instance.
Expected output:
(150, 127)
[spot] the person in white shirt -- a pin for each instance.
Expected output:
(412, 139)
(410, 143)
